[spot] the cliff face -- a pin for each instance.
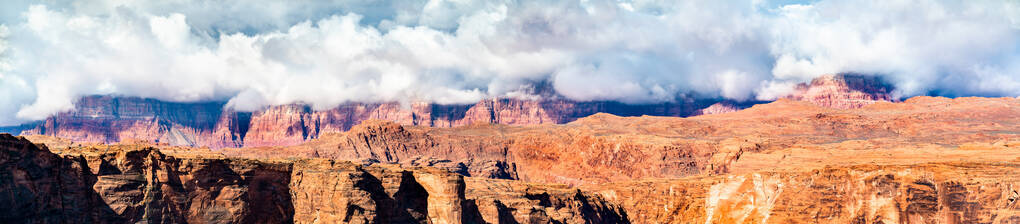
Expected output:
(606, 148)
(106, 119)
(140, 185)
(843, 91)
(130, 183)
(923, 160)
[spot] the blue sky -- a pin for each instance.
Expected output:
(325, 53)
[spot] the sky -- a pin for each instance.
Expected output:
(253, 54)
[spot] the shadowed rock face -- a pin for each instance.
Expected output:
(140, 185)
(129, 184)
(106, 119)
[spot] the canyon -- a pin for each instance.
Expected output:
(840, 150)
(922, 160)
(133, 183)
(110, 119)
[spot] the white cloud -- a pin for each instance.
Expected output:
(918, 45)
(454, 51)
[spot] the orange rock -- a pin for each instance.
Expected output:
(137, 183)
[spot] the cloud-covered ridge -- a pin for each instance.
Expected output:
(326, 54)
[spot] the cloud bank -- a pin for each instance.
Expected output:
(453, 51)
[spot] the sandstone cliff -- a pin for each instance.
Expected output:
(843, 91)
(135, 183)
(923, 160)
(106, 119)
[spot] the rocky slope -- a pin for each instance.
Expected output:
(136, 183)
(107, 119)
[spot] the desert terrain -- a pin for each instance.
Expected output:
(920, 160)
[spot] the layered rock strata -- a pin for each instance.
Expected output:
(107, 119)
(843, 91)
(132, 183)
(605, 148)
(922, 193)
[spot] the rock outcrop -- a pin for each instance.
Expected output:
(136, 183)
(843, 91)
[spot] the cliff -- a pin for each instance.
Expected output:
(843, 91)
(107, 119)
(923, 160)
(605, 148)
(136, 183)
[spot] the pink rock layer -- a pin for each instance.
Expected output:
(843, 91)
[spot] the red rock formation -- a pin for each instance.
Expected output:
(843, 91)
(605, 148)
(924, 160)
(136, 183)
(108, 119)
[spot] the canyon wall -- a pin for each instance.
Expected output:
(135, 183)
(923, 160)
(106, 119)
(606, 148)
(109, 119)
(843, 91)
